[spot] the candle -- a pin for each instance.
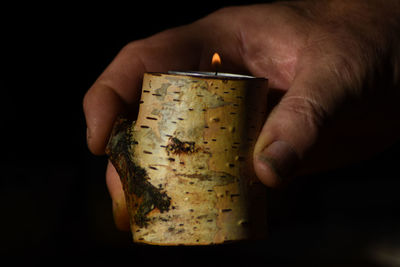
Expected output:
(186, 163)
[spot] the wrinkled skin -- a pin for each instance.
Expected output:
(333, 66)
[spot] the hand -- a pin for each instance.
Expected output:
(333, 66)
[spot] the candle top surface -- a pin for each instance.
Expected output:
(207, 74)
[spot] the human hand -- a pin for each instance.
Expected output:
(336, 65)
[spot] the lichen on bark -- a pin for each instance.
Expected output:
(134, 178)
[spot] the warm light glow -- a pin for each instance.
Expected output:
(216, 60)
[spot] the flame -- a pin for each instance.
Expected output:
(216, 60)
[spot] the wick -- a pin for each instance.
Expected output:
(216, 70)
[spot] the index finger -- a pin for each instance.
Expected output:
(117, 90)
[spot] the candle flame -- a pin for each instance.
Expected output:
(216, 60)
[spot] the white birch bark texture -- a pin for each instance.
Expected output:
(186, 163)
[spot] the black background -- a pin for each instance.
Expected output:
(54, 203)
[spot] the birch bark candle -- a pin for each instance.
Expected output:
(186, 163)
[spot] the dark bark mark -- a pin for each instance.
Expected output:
(234, 195)
(151, 118)
(134, 177)
(176, 146)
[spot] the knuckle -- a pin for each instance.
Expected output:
(132, 46)
(344, 62)
(342, 54)
(306, 109)
(347, 72)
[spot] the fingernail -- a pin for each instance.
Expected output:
(281, 157)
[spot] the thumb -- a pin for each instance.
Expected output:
(294, 125)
